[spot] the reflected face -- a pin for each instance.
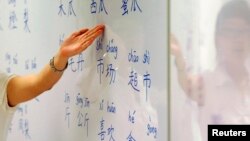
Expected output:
(232, 41)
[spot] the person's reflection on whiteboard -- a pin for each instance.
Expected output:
(223, 95)
(183, 109)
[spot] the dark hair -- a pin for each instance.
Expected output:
(233, 9)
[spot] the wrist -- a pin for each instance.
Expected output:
(180, 64)
(59, 63)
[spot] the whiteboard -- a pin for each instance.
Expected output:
(115, 90)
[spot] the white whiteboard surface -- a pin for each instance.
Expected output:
(95, 99)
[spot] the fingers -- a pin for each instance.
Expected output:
(92, 32)
(93, 36)
(84, 38)
(86, 45)
(95, 29)
(82, 47)
(80, 32)
(89, 40)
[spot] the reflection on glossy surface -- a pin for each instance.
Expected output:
(221, 95)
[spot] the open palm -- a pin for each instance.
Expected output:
(80, 40)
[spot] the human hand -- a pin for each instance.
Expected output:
(175, 47)
(195, 88)
(175, 50)
(75, 44)
(79, 41)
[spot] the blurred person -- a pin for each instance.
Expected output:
(223, 95)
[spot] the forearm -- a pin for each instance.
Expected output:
(190, 83)
(181, 72)
(24, 88)
(47, 77)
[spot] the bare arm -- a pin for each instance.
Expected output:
(24, 88)
(180, 63)
(191, 84)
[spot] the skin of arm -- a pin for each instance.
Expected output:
(191, 84)
(180, 63)
(27, 87)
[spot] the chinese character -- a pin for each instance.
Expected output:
(66, 98)
(8, 59)
(67, 109)
(103, 132)
(67, 115)
(133, 80)
(33, 63)
(20, 110)
(12, 20)
(86, 123)
(71, 63)
(111, 108)
(79, 100)
(86, 102)
(147, 83)
(99, 45)
(131, 117)
(80, 117)
(111, 72)
(61, 10)
(8, 70)
(61, 39)
(124, 7)
(130, 137)
(101, 105)
(151, 129)
(12, 2)
(100, 66)
(146, 58)
(21, 124)
(26, 19)
(27, 64)
(135, 6)
(24, 127)
(71, 9)
(15, 61)
(93, 7)
(80, 62)
(110, 132)
(102, 7)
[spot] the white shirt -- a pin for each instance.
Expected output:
(6, 112)
(223, 101)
